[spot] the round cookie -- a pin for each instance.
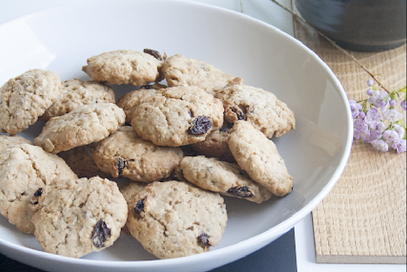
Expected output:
(125, 154)
(222, 177)
(75, 92)
(80, 160)
(94, 211)
(179, 70)
(84, 125)
(131, 100)
(23, 169)
(178, 116)
(9, 141)
(216, 145)
(259, 157)
(257, 106)
(174, 219)
(124, 67)
(25, 98)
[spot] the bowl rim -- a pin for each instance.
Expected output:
(263, 238)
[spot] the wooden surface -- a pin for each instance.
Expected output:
(363, 219)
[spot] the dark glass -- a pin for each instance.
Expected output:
(359, 25)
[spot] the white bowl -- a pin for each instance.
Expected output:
(61, 39)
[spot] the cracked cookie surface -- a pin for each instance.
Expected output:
(178, 116)
(179, 70)
(261, 108)
(174, 219)
(94, 211)
(124, 67)
(75, 93)
(25, 98)
(23, 169)
(84, 125)
(126, 154)
(10, 141)
(259, 157)
(222, 177)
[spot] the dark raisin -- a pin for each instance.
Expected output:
(200, 125)
(204, 239)
(38, 192)
(239, 113)
(240, 191)
(147, 87)
(120, 166)
(154, 53)
(139, 207)
(101, 233)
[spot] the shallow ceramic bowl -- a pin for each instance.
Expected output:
(61, 39)
(359, 25)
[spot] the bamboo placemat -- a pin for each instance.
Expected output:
(363, 219)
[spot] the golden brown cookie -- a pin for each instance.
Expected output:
(178, 116)
(25, 98)
(257, 106)
(222, 177)
(94, 211)
(82, 126)
(174, 219)
(259, 157)
(24, 169)
(124, 67)
(125, 154)
(75, 93)
(179, 70)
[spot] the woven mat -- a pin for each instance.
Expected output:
(363, 219)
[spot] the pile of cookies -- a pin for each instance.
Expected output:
(185, 137)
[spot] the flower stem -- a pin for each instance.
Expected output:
(334, 44)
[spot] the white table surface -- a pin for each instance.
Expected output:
(268, 12)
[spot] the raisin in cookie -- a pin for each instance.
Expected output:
(84, 125)
(259, 107)
(23, 169)
(178, 116)
(222, 177)
(124, 67)
(259, 157)
(75, 92)
(174, 219)
(10, 141)
(25, 98)
(125, 154)
(94, 211)
(179, 70)
(80, 160)
(216, 145)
